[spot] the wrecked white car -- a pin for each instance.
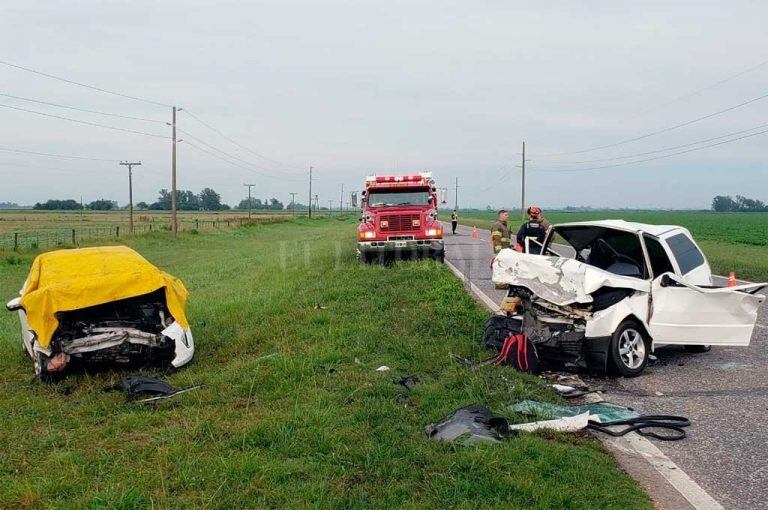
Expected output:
(606, 293)
(97, 305)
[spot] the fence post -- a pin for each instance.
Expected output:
(15, 241)
(117, 231)
(150, 227)
(74, 243)
(197, 224)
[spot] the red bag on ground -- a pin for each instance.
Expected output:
(519, 353)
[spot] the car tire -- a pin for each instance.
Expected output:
(629, 349)
(440, 257)
(697, 348)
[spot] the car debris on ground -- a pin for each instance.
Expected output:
(101, 305)
(137, 386)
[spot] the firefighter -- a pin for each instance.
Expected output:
(500, 234)
(454, 221)
(534, 229)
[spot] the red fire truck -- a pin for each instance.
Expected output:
(399, 218)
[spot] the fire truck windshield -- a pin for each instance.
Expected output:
(395, 197)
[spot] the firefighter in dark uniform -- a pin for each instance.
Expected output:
(534, 229)
(454, 221)
(500, 235)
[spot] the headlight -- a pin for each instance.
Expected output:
(434, 231)
(368, 234)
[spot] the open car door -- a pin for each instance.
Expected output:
(687, 314)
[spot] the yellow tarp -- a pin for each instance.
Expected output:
(66, 280)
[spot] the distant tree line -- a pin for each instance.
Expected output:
(739, 204)
(272, 204)
(207, 200)
(74, 205)
(11, 205)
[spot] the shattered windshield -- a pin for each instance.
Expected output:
(396, 197)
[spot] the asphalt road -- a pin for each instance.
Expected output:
(723, 392)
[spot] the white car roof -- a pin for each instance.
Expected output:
(629, 226)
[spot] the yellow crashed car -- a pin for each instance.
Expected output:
(101, 305)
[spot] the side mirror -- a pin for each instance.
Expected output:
(13, 305)
(667, 281)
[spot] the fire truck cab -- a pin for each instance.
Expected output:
(399, 218)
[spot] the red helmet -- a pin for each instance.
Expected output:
(534, 210)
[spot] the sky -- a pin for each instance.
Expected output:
(359, 87)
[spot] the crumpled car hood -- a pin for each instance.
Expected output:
(559, 280)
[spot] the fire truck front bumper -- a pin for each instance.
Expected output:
(434, 246)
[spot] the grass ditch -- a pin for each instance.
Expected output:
(313, 426)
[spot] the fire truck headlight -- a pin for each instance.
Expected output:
(434, 231)
(368, 234)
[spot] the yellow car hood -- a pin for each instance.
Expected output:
(66, 280)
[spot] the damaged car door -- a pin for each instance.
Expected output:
(685, 308)
(687, 314)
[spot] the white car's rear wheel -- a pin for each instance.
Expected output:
(629, 349)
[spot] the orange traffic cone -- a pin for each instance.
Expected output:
(474, 231)
(731, 279)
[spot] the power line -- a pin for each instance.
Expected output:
(80, 109)
(190, 135)
(72, 82)
(50, 155)
(703, 89)
(666, 149)
(657, 157)
(653, 133)
(237, 164)
(55, 169)
(70, 119)
(220, 133)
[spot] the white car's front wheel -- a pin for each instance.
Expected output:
(629, 350)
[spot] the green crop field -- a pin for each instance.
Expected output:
(292, 413)
(731, 241)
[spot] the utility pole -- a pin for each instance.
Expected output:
(249, 186)
(456, 199)
(293, 203)
(330, 207)
(130, 166)
(81, 207)
(522, 186)
(341, 202)
(310, 192)
(174, 224)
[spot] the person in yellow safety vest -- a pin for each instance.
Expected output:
(500, 235)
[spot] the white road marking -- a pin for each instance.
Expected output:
(632, 443)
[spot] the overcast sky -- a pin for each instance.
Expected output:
(360, 86)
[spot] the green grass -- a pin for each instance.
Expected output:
(731, 241)
(313, 427)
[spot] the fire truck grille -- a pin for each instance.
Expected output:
(399, 222)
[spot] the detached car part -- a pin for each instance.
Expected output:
(101, 305)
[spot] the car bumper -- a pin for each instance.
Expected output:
(431, 245)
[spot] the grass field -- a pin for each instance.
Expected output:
(26, 220)
(314, 426)
(731, 241)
